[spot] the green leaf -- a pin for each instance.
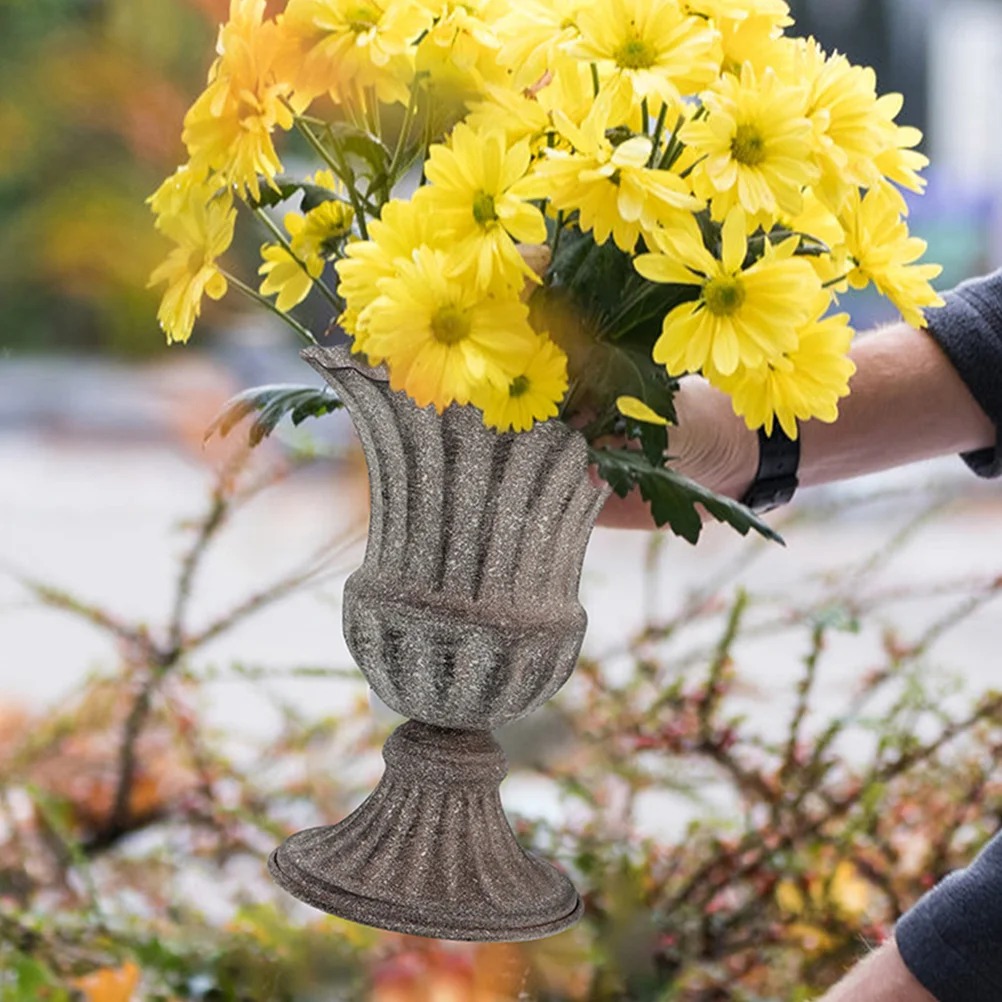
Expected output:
(672, 496)
(364, 146)
(271, 404)
(286, 188)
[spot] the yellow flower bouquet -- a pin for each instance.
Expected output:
(706, 183)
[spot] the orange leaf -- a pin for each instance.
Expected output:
(110, 985)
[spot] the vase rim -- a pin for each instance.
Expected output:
(341, 356)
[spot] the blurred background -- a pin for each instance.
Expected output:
(127, 544)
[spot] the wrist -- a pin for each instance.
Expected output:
(711, 444)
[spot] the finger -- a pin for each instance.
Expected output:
(537, 257)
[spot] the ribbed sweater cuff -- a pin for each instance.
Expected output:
(969, 331)
(951, 940)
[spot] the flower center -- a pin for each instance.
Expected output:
(724, 296)
(519, 386)
(635, 54)
(483, 208)
(748, 146)
(450, 325)
(362, 19)
(196, 260)
(248, 107)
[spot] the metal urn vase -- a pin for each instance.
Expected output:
(463, 617)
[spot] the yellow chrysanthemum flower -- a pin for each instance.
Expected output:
(758, 41)
(534, 34)
(176, 193)
(802, 384)
(478, 202)
(459, 54)
(756, 142)
(631, 407)
(611, 187)
(743, 316)
(898, 160)
(778, 11)
(849, 132)
(816, 220)
(322, 231)
(349, 46)
(517, 114)
(202, 231)
(314, 238)
(228, 129)
(648, 48)
(884, 253)
(440, 338)
(401, 229)
(533, 395)
(286, 276)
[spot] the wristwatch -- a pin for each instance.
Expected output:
(776, 481)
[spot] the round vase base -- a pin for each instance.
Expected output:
(411, 920)
(430, 851)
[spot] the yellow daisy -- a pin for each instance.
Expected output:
(757, 40)
(848, 131)
(803, 383)
(459, 54)
(883, 252)
(401, 229)
(648, 48)
(611, 187)
(314, 239)
(228, 129)
(349, 46)
(477, 200)
(202, 233)
(898, 160)
(533, 395)
(533, 34)
(440, 338)
(778, 11)
(744, 315)
(757, 146)
(286, 276)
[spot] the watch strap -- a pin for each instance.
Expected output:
(776, 481)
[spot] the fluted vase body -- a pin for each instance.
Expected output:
(464, 616)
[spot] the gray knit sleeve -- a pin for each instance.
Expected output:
(969, 330)
(952, 939)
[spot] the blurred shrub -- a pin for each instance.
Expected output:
(125, 825)
(92, 94)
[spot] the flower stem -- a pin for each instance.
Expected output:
(645, 118)
(659, 130)
(318, 283)
(835, 281)
(405, 131)
(336, 164)
(556, 236)
(595, 84)
(269, 305)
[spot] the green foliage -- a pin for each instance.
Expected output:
(271, 404)
(26, 979)
(672, 496)
(284, 188)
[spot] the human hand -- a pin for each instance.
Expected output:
(710, 444)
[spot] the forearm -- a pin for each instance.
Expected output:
(906, 404)
(882, 977)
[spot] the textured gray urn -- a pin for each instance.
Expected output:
(463, 617)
